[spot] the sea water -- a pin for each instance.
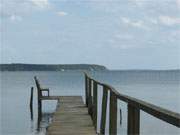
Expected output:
(161, 88)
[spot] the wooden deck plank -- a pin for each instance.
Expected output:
(71, 117)
(49, 98)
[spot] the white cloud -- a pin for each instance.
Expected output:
(125, 20)
(164, 20)
(178, 3)
(16, 9)
(15, 18)
(139, 2)
(62, 13)
(153, 20)
(124, 36)
(137, 23)
(169, 21)
(117, 45)
(40, 3)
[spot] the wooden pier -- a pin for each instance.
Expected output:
(73, 117)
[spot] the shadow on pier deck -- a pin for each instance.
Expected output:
(73, 117)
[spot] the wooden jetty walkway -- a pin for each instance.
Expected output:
(73, 117)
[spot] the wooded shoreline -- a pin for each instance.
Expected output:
(51, 67)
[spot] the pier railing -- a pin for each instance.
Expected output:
(134, 106)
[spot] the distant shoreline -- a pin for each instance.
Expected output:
(145, 70)
(71, 67)
(51, 67)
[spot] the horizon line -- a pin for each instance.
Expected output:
(135, 69)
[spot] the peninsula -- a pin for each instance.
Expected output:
(50, 67)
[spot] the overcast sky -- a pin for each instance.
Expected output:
(120, 34)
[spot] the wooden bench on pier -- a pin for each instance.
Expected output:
(41, 91)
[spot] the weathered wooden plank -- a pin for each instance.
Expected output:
(113, 114)
(86, 89)
(133, 120)
(71, 117)
(71, 133)
(95, 104)
(60, 123)
(90, 97)
(103, 110)
(49, 98)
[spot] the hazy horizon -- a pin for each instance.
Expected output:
(91, 64)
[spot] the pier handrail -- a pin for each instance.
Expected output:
(134, 107)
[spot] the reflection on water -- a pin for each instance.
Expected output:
(159, 88)
(43, 120)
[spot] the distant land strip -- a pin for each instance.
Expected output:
(51, 67)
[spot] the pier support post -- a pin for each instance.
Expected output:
(133, 120)
(86, 90)
(31, 103)
(120, 115)
(113, 114)
(103, 110)
(90, 97)
(95, 104)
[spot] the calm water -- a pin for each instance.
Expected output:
(160, 88)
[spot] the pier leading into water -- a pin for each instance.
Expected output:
(75, 117)
(71, 118)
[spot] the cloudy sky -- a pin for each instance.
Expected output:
(120, 34)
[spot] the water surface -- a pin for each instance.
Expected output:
(158, 87)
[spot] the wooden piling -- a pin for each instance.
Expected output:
(31, 103)
(133, 120)
(31, 99)
(113, 114)
(103, 110)
(120, 116)
(86, 90)
(90, 97)
(95, 104)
